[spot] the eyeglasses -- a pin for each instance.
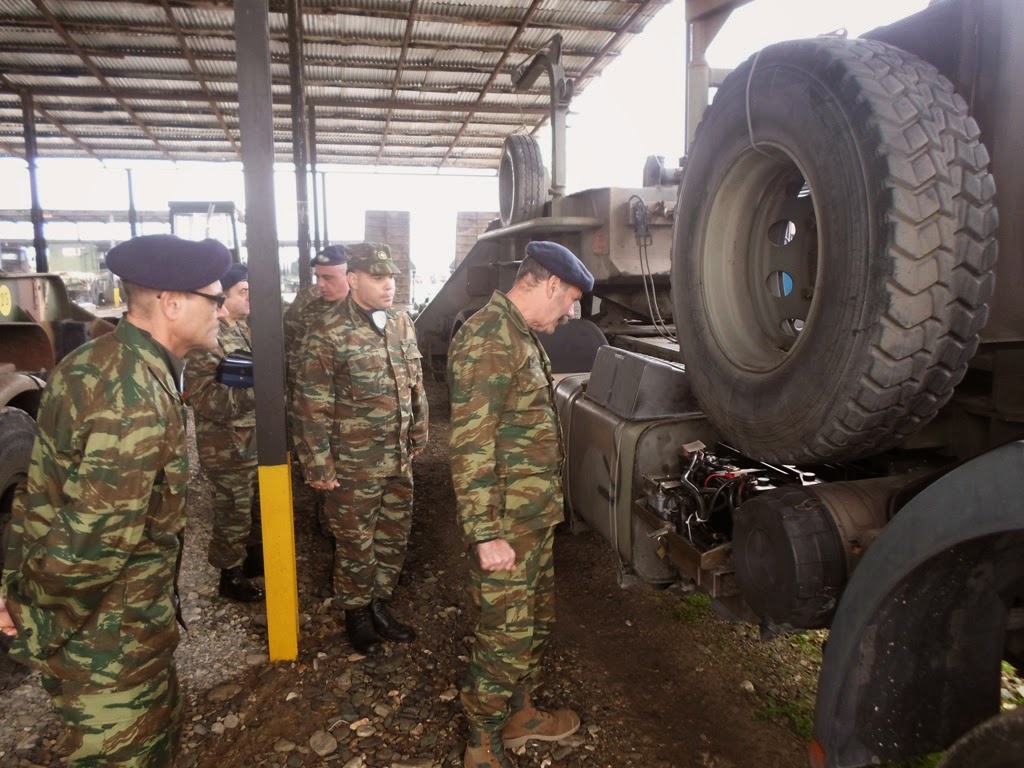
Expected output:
(217, 299)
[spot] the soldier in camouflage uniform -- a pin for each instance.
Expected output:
(506, 460)
(363, 418)
(331, 269)
(226, 439)
(95, 538)
(331, 287)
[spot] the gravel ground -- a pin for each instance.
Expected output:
(658, 679)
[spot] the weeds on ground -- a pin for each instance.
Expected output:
(928, 761)
(1013, 687)
(687, 609)
(797, 713)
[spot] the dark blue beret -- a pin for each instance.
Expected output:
(236, 273)
(560, 261)
(331, 256)
(168, 262)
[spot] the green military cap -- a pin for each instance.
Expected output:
(373, 258)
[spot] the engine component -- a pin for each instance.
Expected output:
(795, 547)
(699, 502)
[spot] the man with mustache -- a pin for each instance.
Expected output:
(506, 459)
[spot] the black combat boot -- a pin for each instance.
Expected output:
(359, 626)
(388, 626)
(252, 566)
(234, 586)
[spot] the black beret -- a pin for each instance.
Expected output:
(236, 273)
(374, 258)
(562, 262)
(168, 262)
(331, 256)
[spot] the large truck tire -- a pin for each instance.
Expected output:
(833, 250)
(996, 743)
(17, 432)
(522, 181)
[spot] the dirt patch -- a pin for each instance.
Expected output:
(659, 680)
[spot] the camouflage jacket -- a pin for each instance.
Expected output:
(225, 416)
(359, 396)
(506, 448)
(90, 568)
(307, 308)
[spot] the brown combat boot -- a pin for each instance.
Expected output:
(532, 724)
(484, 750)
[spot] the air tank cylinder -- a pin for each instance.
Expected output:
(795, 547)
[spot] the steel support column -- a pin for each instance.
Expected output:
(312, 176)
(28, 117)
(323, 198)
(255, 109)
(133, 216)
(704, 20)
(297, 77)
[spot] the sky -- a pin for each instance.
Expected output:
(633, 110)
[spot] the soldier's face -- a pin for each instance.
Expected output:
(199, 323)
(560, 307)
(332, 281)
(237, 302)
(372, 291)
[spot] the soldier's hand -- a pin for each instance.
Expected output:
(496, 555)
(323, 485)
(6, 622)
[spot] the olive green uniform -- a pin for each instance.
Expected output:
(362, 411)
(95, 539)
(506, 460)
(226, 439)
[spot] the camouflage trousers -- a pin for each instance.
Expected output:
(370, 520)
(516, 612)
(133, 727)
(236, 516)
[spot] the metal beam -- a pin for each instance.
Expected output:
(700, 9)
(38, 239)
(311, 122)
(197, 74)
(77, 216)
(91, 66)
(421, 43)
(11, 150)
(257, 138)
(406, 39)
(300, 135)
(323, 101)
(617, 38)
(523, 23)
(76, 140)
(133, 215)
(143, 76)
(312, 60)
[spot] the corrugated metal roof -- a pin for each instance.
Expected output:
(390, 82)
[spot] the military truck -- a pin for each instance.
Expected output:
(837, 441)
(39, 325)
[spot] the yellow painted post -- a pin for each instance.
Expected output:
(279, 562)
